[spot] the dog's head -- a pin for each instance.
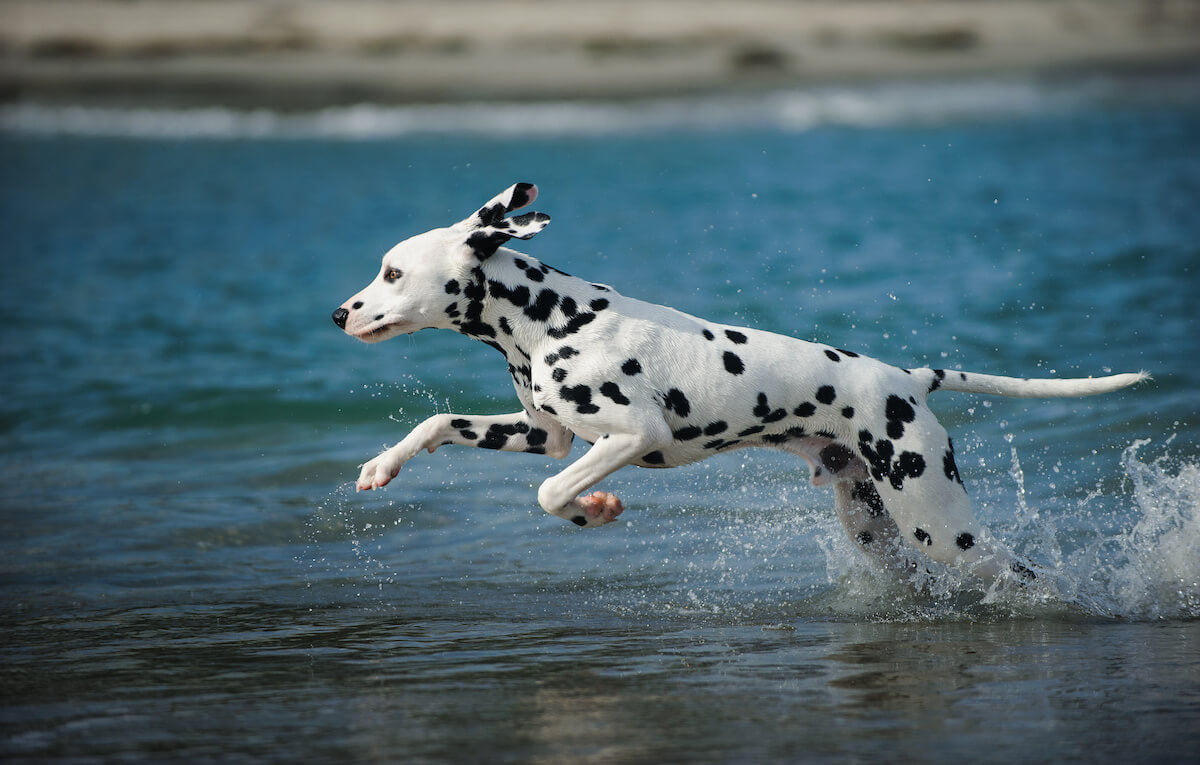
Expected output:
(419, 274)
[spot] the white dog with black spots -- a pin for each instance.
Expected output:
(650, 386)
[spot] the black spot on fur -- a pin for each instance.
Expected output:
(559, 374)
(714, 428)
(878, 455)
(654, 458)
(865, 538)
(764, 412)
(805, 410)
(576, 323)
(845, 352)
(733, 363)
(751, 430)
(921, 535)
(938, 376)
(581, 396)
(452, 287)
(735, 337)
(848, 412)
(479, 329)
(965, 541)
(908, 465)
(497, 435)
(564, 352)
(836, 457)
(518, 296)
(542, 305)
(948, 465)
(599, 304)
(899, 409)
(613, 391)
(864, 492)
(520, 196)
(707, 335)
(686, 434)
(485, 243)
(567, 306)
(631, 367)
(579, 520)
(490, 216)
(675, 401)
(826, 394)
(832, 356)
(898, 412)
(460, 423)
(721, 444)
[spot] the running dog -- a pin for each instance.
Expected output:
(650, 386)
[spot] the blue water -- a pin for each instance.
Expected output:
(186, 572)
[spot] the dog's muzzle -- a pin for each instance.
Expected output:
(340, 316)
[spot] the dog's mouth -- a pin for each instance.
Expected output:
(380, 333)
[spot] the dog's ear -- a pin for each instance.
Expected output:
(488, 229)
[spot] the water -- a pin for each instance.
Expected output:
(186, 572)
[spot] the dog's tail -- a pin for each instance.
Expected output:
(972, 382)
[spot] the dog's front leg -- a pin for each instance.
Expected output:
(517, 432)
(559, 495)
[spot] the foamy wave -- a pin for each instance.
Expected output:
(793, 110)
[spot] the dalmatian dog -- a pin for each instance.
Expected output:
(650, 386)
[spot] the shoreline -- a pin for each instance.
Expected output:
(303, 54)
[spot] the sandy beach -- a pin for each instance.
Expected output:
(307, 54)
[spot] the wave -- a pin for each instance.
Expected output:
(867, 105)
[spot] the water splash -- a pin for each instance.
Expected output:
(1150, 569)
(760, 547)
(1131, 553)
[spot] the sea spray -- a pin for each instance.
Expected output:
(1151, 569)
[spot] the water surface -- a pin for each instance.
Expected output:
(186, 572)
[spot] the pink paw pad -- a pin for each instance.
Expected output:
(598, 506)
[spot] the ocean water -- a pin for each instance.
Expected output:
(187, 574)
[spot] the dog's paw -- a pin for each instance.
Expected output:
(596, 509)
(378, 472)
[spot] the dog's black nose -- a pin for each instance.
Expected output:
(340, 316)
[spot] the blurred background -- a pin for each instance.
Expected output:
(188, 188)
(308, 53)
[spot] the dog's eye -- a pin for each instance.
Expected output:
(392, 274)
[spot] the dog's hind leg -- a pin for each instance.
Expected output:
(858, 504)
(915, 476)
(867, 522)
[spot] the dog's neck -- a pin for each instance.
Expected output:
(516, 304)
